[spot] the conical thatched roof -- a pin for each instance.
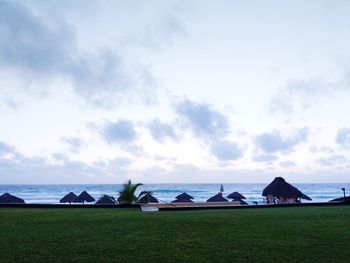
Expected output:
(105, 201)
(182, 201)
(6, 198)
(184, 196)
(148, 198)
(217, 198)
(341, 199)
(280, 188)
(84, 197)
(69, 198)
(236, 196)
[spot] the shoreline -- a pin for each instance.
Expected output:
(175, 207)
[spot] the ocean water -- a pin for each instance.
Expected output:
(51, 194)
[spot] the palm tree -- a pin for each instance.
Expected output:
(127, 194)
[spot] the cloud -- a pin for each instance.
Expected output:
(160, 131)
(164, 30)
(274, 142)
(264, 158)
(225, 150)
(11, 104)
(332, 160)
(210, 125)
(321, 149)
(74, 143)
(287, 164)
(122, 132)
(28, 42)
(39, 170)
(301, 93)
(118, 162)
(60, 156)
(5, 148)
(18, 168)
(343, 137)
(202, 119)
(33, 44)
(304, 93)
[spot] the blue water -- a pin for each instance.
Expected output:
(45, 194)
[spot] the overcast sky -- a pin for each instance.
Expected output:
(174, 91)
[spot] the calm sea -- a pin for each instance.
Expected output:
(166, 192)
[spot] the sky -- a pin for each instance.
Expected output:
(174, 91)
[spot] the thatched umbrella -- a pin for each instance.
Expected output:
(84, 197)
(148, 198)
(69, 198)
(184, 196)
(280, 188)
(345, 199)
(185, 200)
(106, 200)
(6, 198)
(217, 198)
(236, 196)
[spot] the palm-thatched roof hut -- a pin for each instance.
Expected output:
(7, 198)
(283, 191)
(84, 197)
(217, 198)
(148, 198)
(236, 196)
(69, 198)
(184, 196)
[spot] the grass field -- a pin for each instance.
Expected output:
(300, 234)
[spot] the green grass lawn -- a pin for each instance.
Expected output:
(300, 234)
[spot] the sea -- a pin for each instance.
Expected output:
(51, 193)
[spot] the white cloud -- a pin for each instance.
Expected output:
(287, 164)
(225, 150)
(274, 142)
(335, 159)
(5, 148)
(160, 131)
(121, 131)
(343, 137)
(303, 93)
(75, 143)
(265, 158)
(32, 44)
(203, 120)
